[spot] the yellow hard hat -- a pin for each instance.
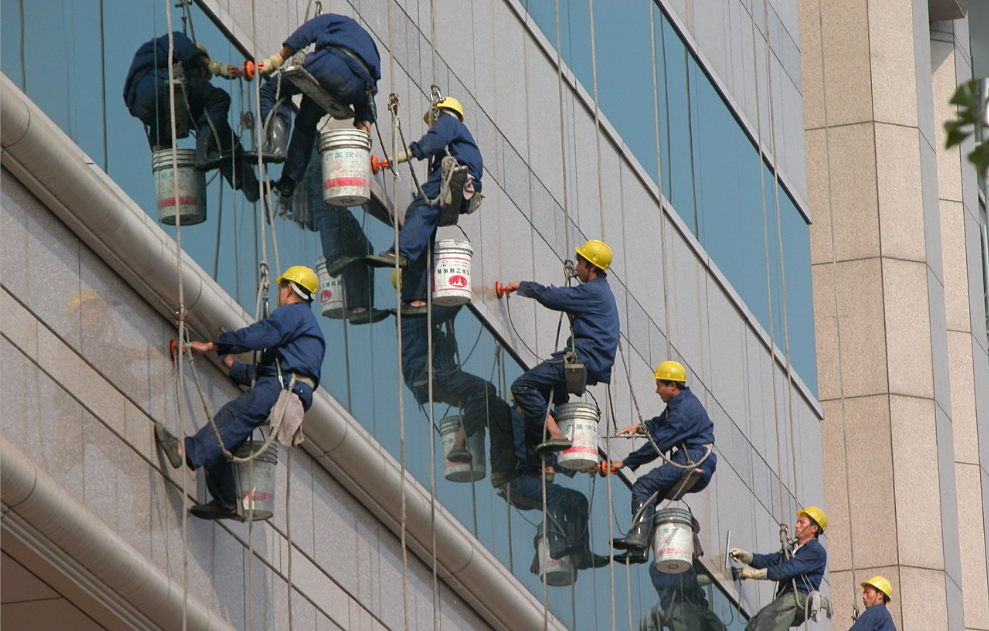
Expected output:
(816, 514)
(671, 371)
(449, 104)
(202, 48)
(301, 276)
(80, 298)
(880, 583)
(396, 278)
(596, 252)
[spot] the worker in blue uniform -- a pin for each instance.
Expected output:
(683, 427)
(797, 571)
(146, 95)
(476, 397)
(347, 66)
(447, 133)
(593, 313)
(682, 603)
(293, 346)
(876, 593)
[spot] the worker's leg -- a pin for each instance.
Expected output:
(235, 422)
(303, 137)
(533, 391)
(779, 615)
(420, 221)
(341, 236)
(661, 480)
(337, 78)
(275, 89)
(151, 108)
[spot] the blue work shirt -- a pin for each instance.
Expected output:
(290, 334)
(683, 422)
(332, 30)
(875, 618)
(674, 589)
(806, 566)
(153, 57)
(448, 131)
(595, 321)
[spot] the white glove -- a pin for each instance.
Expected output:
(703, 580)
(271, 64)
(741, 555)
(403, 156)
(223, 70)
(748, 572)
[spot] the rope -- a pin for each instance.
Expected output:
(181, 313)
(659, 162)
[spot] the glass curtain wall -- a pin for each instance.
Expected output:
(702, 159)
(78, 78)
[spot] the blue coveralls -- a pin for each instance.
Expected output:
(451, 385)
(595, 337)
(341, 235)
(804, 570)
(875, 618)
(290, 335)
(566, 513)
(346, 64)
(146, 91)
(684, 423)
(418, 232)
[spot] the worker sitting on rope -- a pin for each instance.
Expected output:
(797, 571)
(876, 593)
(293, 349)
(346, 65)
(477, 397)
(146, 94)
(595, 328)
(447, 135)
(684, 426)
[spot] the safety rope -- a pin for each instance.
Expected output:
(181, 312)
(659, 164)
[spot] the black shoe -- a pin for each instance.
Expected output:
(386, 260)
(586, 559)
(408, 311)
(169, 445)
(551, 445)
(214, 511)
(342, 264)
(632, 556)
(369, 316)
(249, 183)
(285, 186)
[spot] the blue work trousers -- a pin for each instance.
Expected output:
(526, 492)
(334, 76)
(236, 421)
(341, 235)
(417, 238)
(205, 101)
(533, 391)
(665, 477)
(477, 397)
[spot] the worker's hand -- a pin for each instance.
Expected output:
(631, 430)
(201, 348)
(270, 65)
(403, 156)
(741, 555)
(510, 287)
(615, 466)
(228, 361)
(751, 572)
(703, 579)
(226, 71)
(365, 125)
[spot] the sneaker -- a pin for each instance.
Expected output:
(213, 511)
(168, 444)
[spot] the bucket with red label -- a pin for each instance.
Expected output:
(331, 303)
(451, 273)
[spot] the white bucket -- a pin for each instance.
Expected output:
(557, 572)
(579, 421)
(451, 273)
(331, 299)
(256, 493)
(346, 157)
(191, 203)
(462, 471)
(673, 540)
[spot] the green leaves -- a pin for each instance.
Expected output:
(971, 116)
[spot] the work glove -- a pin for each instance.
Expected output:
(271, 64)
(403, 156)
(704, 580)
(226, 71)
(741, 555)
(750, 572)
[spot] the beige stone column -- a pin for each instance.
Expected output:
(879, 295)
